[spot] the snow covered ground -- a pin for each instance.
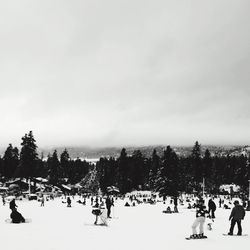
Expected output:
(57, 227)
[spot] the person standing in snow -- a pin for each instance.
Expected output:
(68, 202)
(211, 208)
(3, 200)
(199, 221)
(108, 206)
(237, 214)
(42, 201)
(175, 204)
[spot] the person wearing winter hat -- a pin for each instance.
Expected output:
(237, 214)
(199, 221)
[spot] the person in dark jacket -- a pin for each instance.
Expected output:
(211, 208)
(13, 205)
(176, 204)
(108, 206)
(237, 214)
(16, 217)
(68, 202)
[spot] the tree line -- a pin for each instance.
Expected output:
(171, 174)
(168, 173)
(27, 164)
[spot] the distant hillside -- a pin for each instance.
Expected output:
(93, 153)
(96, 153)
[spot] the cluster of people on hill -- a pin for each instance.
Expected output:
(103, 211)
(236, 216)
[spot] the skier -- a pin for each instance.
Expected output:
(211, 208)
(199, 221)
(237, 214)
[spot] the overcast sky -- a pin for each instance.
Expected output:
(131, 72)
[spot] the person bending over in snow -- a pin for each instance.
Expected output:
(16, 217)
(199, 221)
(237, 214)
(100, 212)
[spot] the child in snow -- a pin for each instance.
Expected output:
(199, 221)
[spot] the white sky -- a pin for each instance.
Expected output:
(132, 72)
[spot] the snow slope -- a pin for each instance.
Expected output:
(57, 227)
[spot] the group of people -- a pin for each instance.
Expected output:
(103, 211)
(236, 216)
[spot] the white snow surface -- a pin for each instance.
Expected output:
(57, 227)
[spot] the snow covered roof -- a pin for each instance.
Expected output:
(41, 179)
(66, 187)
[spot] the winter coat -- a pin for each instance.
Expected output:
(175, 201)
(108, 202)
(211, 205)
(200, 211)
(238, 213)
(13, 205)
(16, 217)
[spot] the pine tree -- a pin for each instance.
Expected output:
(28, 156)
(196, 164)
(65, 164)
(168, 178)
(207, 164)
(137, 171)
(54, 168)
(154, 167)
(10, 161)
(123, 167)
